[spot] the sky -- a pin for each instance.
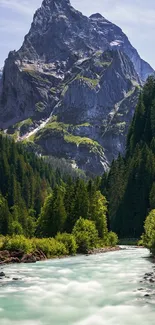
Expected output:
(135, 17)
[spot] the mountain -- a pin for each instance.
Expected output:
(73, 86)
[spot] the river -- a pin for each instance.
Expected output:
(94, 290)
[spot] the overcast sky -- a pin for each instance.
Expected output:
(135, 17)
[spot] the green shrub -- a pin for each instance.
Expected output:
(69, 241)
(17, 242)
(140, 242)
(148, 238)
(50, 247)
(1, 241)
(16, 228)
(31, 226)
(112, 239)
(83, 242)
(86, 235)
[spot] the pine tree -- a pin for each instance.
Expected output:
(5, 216)
(152, 197)
(153, 118)
(53, 215)
(69, 201)
(98, 214)
(81, 201)
(136, 131)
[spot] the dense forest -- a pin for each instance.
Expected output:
(130, 184)
(38, 200)
(24, 183)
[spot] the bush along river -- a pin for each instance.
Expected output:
(116, 288)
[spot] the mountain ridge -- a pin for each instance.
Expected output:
(69, 66)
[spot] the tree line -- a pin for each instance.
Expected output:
(130, 184)
(37, 200)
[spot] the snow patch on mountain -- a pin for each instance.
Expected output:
(116, 43)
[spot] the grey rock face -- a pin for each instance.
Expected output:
(117, 39)
(82, 70)
(1, 74)
(92, 95)
(101, 109)
(89, 157)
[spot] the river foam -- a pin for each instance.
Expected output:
(94, 290)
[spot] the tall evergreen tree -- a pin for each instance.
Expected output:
(130, 182)
(5, 216)
(53, 215)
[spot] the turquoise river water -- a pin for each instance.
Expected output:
(102, 289)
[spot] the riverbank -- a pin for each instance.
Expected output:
(19, 256)
(7, 257)
(104, 250)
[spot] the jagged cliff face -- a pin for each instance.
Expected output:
(85, 74)
(1, 73)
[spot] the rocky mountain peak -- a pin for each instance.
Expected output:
(73, 86)
(1, 73)
(55, 5)
(59, 33)
(96, 16)
(58, 2)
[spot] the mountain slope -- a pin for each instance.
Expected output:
(81, 70)
(90, 109)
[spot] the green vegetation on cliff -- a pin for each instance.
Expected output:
(80, 140)
(92, 82)
(55, 128)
